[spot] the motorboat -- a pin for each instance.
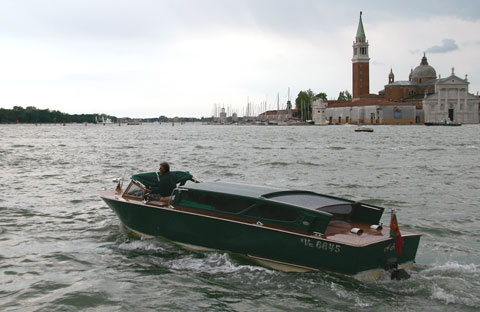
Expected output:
(363, 129)
(288, 230)
(443, 123)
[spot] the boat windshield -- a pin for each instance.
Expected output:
(134, 191)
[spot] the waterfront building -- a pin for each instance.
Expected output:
(370, 110)
(275, 115)
(318, 112)
(451, 102)
(421, 98)
(223, 116)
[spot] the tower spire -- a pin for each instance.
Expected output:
(424, 60)
(360, 37)
(360, 61)
(391, 76)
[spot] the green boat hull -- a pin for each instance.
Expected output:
(306, 252)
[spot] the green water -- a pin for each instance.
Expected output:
(62, 248)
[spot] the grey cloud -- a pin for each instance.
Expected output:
(447, 45)
(155, 20)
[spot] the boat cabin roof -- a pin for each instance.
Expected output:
(303, 199)
(232, 189)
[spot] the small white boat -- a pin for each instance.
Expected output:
(363, 129)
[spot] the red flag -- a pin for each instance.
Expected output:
(395, 233)
(118, 189)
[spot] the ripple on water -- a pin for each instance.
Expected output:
(62, 248)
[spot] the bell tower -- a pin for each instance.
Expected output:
(391, 77)
(360, 62)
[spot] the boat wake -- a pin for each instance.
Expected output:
(449, 283)
(194, 261)
(452, 267)
(143, 245)
(345, 294)
(214, 263)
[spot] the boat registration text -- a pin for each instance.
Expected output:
(326, 246)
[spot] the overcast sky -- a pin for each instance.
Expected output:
(147, 58)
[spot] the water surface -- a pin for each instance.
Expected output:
(62, 248)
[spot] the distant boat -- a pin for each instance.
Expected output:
(363, 129)
(104, 120)
(444, 123)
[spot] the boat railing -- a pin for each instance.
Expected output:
(174, 193)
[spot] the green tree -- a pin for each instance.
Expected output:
(303, 104)
(321, 95)
(344, 96)
(163, 119)
(34, 115)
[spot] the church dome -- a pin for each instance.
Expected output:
(424, 72)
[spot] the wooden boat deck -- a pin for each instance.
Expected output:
(339, 231)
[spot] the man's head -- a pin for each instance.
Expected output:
(164, 167)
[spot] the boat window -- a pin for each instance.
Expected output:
(227, 204)
(272, 212)
(338, 211)
(134, 191)
(305, 200)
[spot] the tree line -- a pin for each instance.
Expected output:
(32, 114)
(304, 100)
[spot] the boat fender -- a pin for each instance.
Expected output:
(356, 231)
(376, 226)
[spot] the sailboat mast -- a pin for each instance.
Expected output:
(278, 106)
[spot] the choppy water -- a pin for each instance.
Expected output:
(61, 247)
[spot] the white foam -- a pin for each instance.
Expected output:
(143, 245)
(213, 263)
(454, 267)
(459, 297)
(342, 293)
(441, 294)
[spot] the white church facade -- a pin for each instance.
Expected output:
(452, 102)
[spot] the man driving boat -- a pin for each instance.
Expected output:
(166, 180)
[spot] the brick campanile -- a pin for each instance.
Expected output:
(360, 63)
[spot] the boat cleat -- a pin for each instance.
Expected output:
(356, 231)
